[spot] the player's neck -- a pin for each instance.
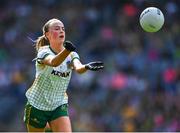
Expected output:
(57, 47)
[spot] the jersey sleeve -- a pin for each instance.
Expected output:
(42, 54)
(74, 55)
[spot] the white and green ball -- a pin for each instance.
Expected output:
(151, 19)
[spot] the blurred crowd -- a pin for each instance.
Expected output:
(139, 89)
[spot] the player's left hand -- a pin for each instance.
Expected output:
(94, 66)
(69, 46)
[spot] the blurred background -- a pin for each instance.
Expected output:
(139, 89)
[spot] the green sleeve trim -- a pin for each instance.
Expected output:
(40, 59)
(74, 58)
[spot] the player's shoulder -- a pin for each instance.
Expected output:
(43, 48)
(73, 53)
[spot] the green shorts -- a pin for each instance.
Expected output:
(38, 118)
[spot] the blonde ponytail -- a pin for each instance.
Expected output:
(41, 41)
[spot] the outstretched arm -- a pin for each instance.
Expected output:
(81, 68)
(60, 57)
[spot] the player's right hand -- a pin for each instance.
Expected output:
(69, 46)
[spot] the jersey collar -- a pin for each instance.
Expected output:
(52, 50)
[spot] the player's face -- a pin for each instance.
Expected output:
(56, 32)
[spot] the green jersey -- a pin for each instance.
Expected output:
(49, 88)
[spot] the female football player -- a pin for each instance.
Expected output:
(47, 101)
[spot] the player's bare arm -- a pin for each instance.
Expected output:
(93, 66)
(56, 60)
